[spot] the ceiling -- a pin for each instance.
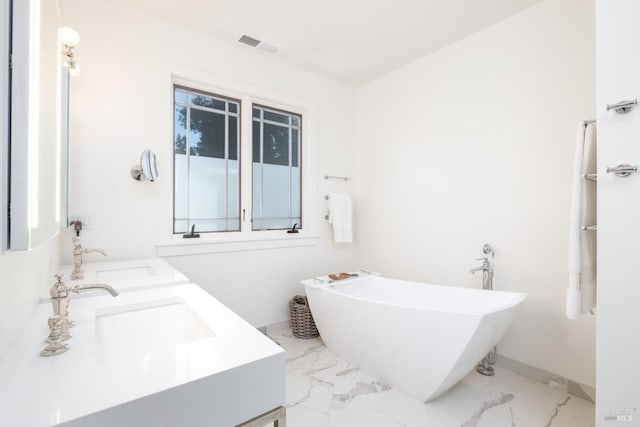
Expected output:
(352, 41)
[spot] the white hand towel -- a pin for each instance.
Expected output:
(341, 217)
(582, 244)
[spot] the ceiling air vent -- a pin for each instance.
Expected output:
(250, 41)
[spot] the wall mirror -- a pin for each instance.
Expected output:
(147, 170)
(37, 133)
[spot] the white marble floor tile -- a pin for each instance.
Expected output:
(324, 390)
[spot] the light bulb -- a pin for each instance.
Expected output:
(69, 36)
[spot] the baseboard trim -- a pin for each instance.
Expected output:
(552, 380)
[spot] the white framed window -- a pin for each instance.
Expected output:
(259, 199)
(206, 162)
(276, 169)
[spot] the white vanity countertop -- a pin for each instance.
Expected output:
(192, 339)
(123, 276)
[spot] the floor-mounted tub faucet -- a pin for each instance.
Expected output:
(487, 269)
(487, 273)
(77, 272)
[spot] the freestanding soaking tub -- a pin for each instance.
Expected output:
(418, 338)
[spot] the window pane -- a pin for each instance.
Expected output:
(257, 195)
(233, 138)
(233, 107)
(296, 191)
(207, 134)
(275, 191)
(181, 188)
(180, 226)
(256, 113)
(181, 96)
(275, 145)
(295, 121)
(295, 143)
(207, 188)
(206, 101)
(233, 192)
(276, 117)
(180, 130)
(256, 142)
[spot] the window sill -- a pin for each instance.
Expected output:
(182, 247)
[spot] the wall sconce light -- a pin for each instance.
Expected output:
(70, 39)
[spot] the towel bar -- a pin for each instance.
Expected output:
(622, 107)
(345, 178)
(622, 169)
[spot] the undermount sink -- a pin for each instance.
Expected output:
(124, 276)
(151, 327)
(124, 273)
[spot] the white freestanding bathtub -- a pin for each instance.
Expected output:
(419, 339)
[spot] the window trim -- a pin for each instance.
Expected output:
(246, 239)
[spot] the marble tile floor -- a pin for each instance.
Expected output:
(324, 390)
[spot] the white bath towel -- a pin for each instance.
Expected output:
(581, 294)
(341, 217)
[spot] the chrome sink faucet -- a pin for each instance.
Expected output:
(77, 272)
(59, 293)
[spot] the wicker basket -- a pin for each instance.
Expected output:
(302, 324)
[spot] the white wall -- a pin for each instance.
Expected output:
(25, 278)
(474, 144)
(471, 144)
(618, 348)
(120, 105)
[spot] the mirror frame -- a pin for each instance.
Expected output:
(35, 114)
(21, 35)
(65, 88)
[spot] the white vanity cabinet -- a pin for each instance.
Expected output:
(165, 356)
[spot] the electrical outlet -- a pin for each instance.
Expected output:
(85, 220)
